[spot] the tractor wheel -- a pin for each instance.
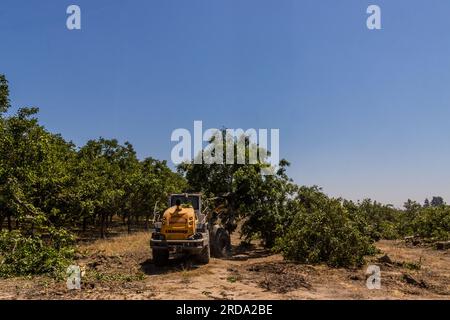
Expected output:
(221, 243)
(203, 257)
(160, 257)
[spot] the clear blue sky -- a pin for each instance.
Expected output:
(361, 113)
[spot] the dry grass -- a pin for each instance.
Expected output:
(120, 245)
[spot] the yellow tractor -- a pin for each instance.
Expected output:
(184, 229)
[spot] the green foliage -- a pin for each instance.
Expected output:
(4, 94)
(323, 232)
(410, 212)
(385, 222)
(110, 180)
(433, 223)
(28, 255)
(437, 202)
(374, 219)
(256, 199)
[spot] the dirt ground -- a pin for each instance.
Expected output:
(122, 268)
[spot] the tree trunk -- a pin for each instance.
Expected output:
(136, 220)
(84, 224)
(102, 226)
(129, 224)
(9, 223)
(110, 220)
(147, 221)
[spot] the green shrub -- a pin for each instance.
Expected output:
(27, 255)
(432, 222)
(374, 219)
(324, 233)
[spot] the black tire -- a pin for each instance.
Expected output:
(220, 243)
(160, 257)
(204, 256)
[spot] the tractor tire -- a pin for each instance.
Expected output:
(220, 243)
(160, 257)
(204, 257)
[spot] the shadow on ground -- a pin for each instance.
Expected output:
(246, 251)
(176, 264)
(240, 252)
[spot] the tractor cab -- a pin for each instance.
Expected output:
(189, 199)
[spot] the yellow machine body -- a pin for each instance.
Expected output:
(179, 223)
